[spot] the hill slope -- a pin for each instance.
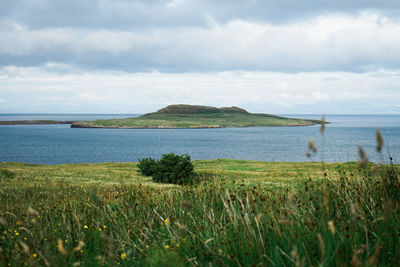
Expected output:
(194, 116)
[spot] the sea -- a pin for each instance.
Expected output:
(60, 144)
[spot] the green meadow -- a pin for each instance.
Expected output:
(242, 213)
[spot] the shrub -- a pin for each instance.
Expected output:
(171, 168)
(146, 166)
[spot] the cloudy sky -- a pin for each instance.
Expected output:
(135, 56)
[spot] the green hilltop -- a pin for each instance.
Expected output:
(196, 116)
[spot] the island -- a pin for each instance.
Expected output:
(195, 116)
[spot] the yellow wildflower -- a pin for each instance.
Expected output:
(123, 256)
(18, 223)
(167, 221)
(105, 226)
(166, 247)
(85, 226)
(34, 255)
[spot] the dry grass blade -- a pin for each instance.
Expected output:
(25, 247)
(322, 247)
(354, 260)
(374, 258)
(46, 262)
(81, 244)
(208, 241)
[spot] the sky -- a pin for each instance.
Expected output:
(132, 56)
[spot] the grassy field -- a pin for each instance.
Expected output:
(244, 213)
(188, 116)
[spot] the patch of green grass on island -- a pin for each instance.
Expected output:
(192, 116)
(243, 213)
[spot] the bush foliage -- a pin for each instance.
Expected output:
(146, 166)
(171, 168)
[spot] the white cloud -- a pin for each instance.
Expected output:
(335, 42)
(1, 100)
(90, 97)
(143, 92)
(174, 3)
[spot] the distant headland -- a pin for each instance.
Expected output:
(34, 122)
(195, 116)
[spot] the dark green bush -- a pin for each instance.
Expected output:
(146, 166)
(171, 168)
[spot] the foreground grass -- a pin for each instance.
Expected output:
(243, 213)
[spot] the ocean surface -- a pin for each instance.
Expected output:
(57, 144)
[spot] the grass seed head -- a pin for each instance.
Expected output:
(3, 221)
(363, 162)
(353, 211)
(32, 211)
(310, 143)
(331, 227)
(61, 248)
(323, 122)
(379, 141)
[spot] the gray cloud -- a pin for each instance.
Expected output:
(272, 56)
(131, 14)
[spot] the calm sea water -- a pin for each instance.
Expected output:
(56, 144)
